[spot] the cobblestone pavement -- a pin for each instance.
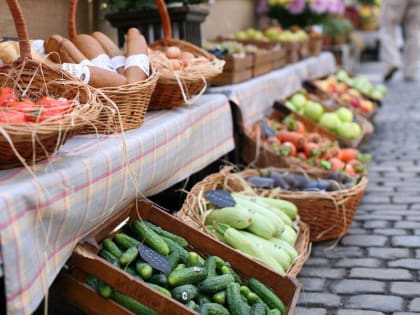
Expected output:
(375, 269)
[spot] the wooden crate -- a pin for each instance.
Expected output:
(85, 261)
(237, 69)
(263, 63)
(279, 58)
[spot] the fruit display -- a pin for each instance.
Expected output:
(273, 34)
(289, 138)
(340, 122)
(162, 260)
(261, 228)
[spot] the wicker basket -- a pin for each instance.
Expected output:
(131, 100)
(315, 46)
(178, 88)
(189, 215)
(27, 143)
(333, 213)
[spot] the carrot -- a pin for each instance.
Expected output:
(291, 136)
(349, 154)
(300, 127)
(336, 164)
(332, 152)
(349, 170)
(311, 149)
(314, 137)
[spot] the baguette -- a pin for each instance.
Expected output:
(110, 48)
(136, 45)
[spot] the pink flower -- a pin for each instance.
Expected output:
(336, 7)
(296, 6)
(319, 6)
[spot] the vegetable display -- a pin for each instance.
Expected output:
(205, 285)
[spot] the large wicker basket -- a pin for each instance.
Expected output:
(27, 143)
(179, 87)
(131, 100)
(190, 216)
(328, 214)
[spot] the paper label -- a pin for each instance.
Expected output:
(103, 61)
(118, 62)
(142, 61)
(79, 71)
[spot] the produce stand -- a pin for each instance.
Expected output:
(88, 180)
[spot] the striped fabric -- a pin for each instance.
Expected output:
(255, 97)
(42, 218)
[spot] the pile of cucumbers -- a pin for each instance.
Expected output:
(206, 285)
(260, 227)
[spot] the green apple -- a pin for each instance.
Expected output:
(342, 75)
(345, 114)
(357, 130)
(298, 100)
(241, 35)
(381, 88)
(290, 105)
(376, 94)
(313, 110)
(346, 131)
(330, 121)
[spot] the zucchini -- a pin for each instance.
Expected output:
(236, 217)
(111, 247)
(219, 297)
(274, 312)
(173, 260)
(149, 237)
(193, 259)
(258, 309)
(266, 294)
(109, 257)
(144, 270)
(289, 235)
(216, 233)
(189, 275)
(216, 283)
(211, 265)
(185, 293)
(289, 249)
(236, 305)
(129, 256)
(131, 304)
(124, 241)
(174, 247)
(158, 230)
(213, 309)
(160, 289)
(160, 279)
(104, 290)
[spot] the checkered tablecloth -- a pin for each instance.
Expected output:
(43, 217)
(256, 96)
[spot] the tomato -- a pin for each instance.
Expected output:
(12, 117)
(7, 95)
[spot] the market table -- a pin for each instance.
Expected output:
(43, 217)
(255, 97)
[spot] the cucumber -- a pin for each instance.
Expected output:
(266, 294)
(189, 275)
(132, 272)
(104, 290)
(111, 247)
(236, 217)
(227, 269)
(185, 293)
(174, 247)
(160, 289)
(160, 279)
(129, 256)
(158, 230)
(144, 270)
(192, 305)
(252, 298)
(202, 298)
(173, 260)
(180, 266)
(149, 237)
(289, 235)
(213, 309)
(193, 259)
(93, 282)
(244, 290)
(131, 304)
(216, 233)
(274, 312)
(216, 283)
(236, 305)
(211, 265)
(258, 309)
(124, 241)
(219, 297)
(109, 257)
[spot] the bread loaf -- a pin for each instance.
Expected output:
(136, 45)
(111, 50)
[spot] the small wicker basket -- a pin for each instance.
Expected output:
(27, 143)
(329, 214)
(131, 100)
(179, 87)
(189, 213)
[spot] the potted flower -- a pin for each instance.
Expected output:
(185, 16)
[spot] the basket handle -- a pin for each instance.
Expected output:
(72, 19)
(21, 29)
(164, 18)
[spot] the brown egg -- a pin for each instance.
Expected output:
(173, 52)
(186, 57)
(175, 64)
